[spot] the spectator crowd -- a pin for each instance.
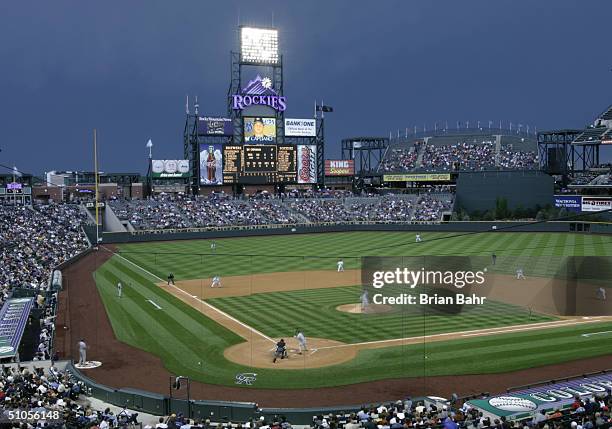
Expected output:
(183, 212)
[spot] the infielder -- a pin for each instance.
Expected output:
(119, 289)
(216, 282)
(340, 265)
(82, 352)
(519, 274)
(365, 301)
(417, 239)
(299, 335)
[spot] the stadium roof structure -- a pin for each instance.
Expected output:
(591, 135)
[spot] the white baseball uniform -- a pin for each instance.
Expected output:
(119, 289)
(365, 302)
(519, 274)
(82, 352)
(601, 293)
(302, 341)
(418, 238)
(340, 265)
(216, 282)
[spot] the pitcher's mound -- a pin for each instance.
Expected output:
(321, 352)
(371, 309)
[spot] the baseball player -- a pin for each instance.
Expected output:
(281, 350)
(417, 238)
(493, 258)
(340, 265)
(170, 278)
(519, 274)
(216, 282)
(82, 352)
(299, 335)
(601, 294)
(365, 301)
(213, 246)
(119, 289)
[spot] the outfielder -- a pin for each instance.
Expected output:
(519, 274)
(417, 239)
(601, 294)
(82, 352)
(216, 282)
(340, 265)
(299, 335)
(119, 289)
(213, 246)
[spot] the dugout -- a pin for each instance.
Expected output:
(478, 191)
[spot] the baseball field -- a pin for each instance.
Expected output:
(273, 285)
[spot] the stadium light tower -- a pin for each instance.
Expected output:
(150, 147)
(259, 46)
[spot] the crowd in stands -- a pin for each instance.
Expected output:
(584, 413)
(399, 159)
(459, 156)
(517, 160)
(34, 241)
(183, 212)
(430, 207)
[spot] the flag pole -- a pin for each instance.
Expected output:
(96, 184)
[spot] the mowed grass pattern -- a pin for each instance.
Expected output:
(192, 345)
(314, 311)
(536, 253)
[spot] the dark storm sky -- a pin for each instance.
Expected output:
(125, 68)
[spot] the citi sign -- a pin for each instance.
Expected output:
(259, 92)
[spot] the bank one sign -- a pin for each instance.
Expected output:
(259, 92)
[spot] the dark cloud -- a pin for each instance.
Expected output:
(125, 67)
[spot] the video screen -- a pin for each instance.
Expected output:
(259, 130)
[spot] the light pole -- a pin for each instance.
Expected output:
(149, 146)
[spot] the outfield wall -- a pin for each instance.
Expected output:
(259, 230)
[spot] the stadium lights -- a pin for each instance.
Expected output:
(259, 45)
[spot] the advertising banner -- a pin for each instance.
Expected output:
(307, 164)
(300, 127)
(339, 167)
(259, 130)
(211, 164)
(13, 319)
(569, 202)
(596, 204)
(432, 177)
(170, 168)
(549, 397)
(208, 126)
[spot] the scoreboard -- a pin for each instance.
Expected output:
(259, 164)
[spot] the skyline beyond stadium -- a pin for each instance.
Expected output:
(69, 69)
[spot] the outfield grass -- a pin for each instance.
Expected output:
(536, 253)
(191, 344)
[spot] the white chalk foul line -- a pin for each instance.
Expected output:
(596, 333)
(154, 304)
(486, 331)
(224, 314)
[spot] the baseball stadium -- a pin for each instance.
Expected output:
(448, 277)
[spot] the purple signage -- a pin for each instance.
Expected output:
(14, 186)
(208, 126)
(259, 92)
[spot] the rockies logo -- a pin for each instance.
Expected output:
(246, 378)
